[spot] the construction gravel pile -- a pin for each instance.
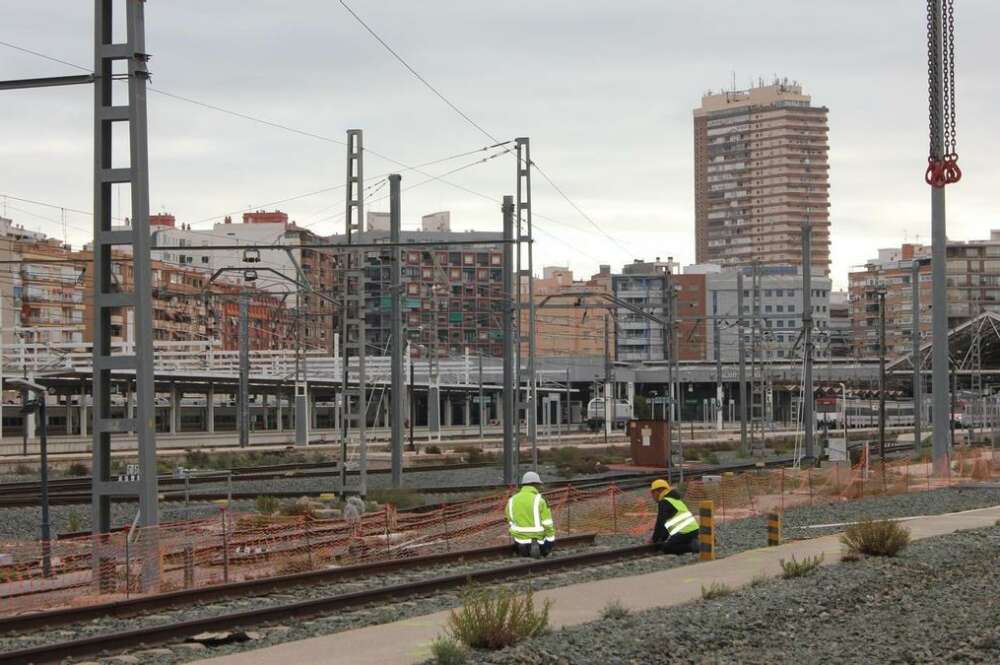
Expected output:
(935, 603)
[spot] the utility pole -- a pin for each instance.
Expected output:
(301, 376)
(807, 340)
(396, 334)
(675, 354)
(244, 408)
(482, 402)
(916, 359)
(741, 349)
(939, 251)
(524, 234)
(509, 307)
(716, 337)
(609, 405)
(668, 355)
(353, 334)
(881, 378)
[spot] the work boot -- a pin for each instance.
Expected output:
(536, 550)
(695, 546)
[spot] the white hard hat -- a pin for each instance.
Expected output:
(531, 478)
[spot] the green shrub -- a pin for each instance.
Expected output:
(474, 455)
(715, 590)
(301, 507)
(195, 459)
(447, 651)
(402, 499)
(497, 618)
(571, 461)
(850, 557)
(23, 469)
(614, 610)
(432, 450)
(266, 505)
(793, 568)
(875, 538)
(78, 469)
(74, 521)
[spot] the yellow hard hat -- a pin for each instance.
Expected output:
(659, 484)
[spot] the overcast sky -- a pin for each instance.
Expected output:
(605, 90)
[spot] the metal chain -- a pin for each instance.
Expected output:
(951, 138)
(931, 79)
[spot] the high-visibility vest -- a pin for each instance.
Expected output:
(529, 517)
(682, 521)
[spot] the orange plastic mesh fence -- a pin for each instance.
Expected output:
(236, 546)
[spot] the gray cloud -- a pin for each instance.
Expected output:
(605, 90)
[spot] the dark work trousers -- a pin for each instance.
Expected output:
(681, 543)
(524, 549)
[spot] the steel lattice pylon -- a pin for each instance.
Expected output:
(353, 336)
(107, 297)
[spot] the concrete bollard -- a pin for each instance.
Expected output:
(706, 531)
(773, 529)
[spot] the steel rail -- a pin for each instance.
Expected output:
(150, 635)
(133, 606)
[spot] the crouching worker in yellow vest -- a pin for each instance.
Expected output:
(676, 530)
(530, 519)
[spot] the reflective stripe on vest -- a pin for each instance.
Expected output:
(536, 512)
(683, 521)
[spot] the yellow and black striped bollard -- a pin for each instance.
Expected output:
(706, 532)
(773, 529)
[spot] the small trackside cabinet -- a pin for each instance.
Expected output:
(649, 442)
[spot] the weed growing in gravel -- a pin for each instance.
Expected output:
(876, 538)
(23, 469)
(447, 651)
(77, 469)
(474, 455)
(802, 568)
(401, 498)
(614, 610)
(301, 507)
(432, 450)
(850, 557)
(266, 505)
(497, 618)
(74, 522)
(715, 590)
(760, 579)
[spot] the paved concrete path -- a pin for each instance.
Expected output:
(406, 642)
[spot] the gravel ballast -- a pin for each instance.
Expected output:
(733, 537)
(934, 603)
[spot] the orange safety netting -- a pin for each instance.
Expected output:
(244, 546)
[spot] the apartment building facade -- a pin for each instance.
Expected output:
(972, 281)
(569, 332)
(761, 170)
(778, 315)
(646, 284)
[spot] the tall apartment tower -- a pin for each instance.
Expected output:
(761, 169)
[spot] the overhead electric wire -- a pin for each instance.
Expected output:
(417, 74)
(294, 130)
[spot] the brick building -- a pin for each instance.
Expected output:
(973, 287)
(575, 332)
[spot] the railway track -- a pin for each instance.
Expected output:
(150, 635)
(264, 472)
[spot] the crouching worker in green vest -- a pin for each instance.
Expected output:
(676, 530)
(530, 519)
